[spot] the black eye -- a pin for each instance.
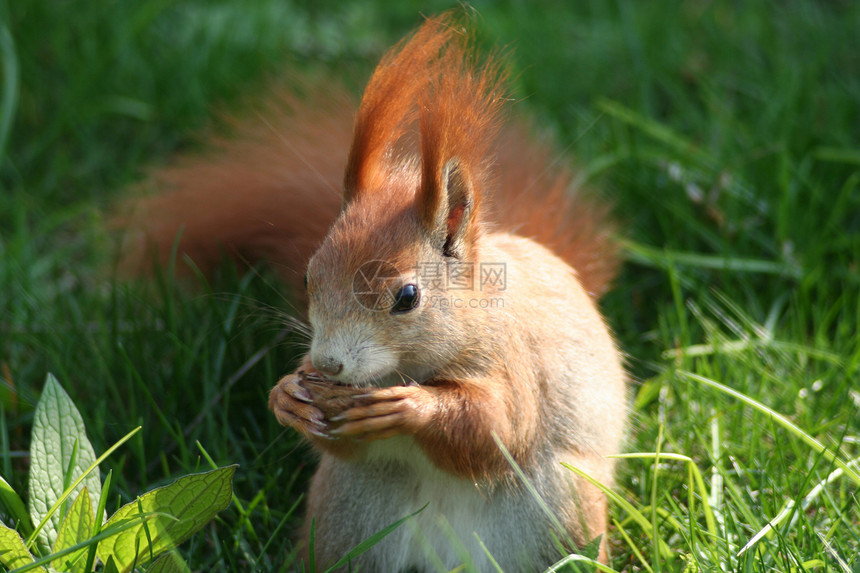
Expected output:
(406, 299)
(306, 281)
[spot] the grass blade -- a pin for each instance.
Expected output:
(15, 506)
(788, 508)
(663, 259)
(9, 102)
(699, 480)
(852, 474)
(634, 513)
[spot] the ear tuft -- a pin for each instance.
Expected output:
(389, 103)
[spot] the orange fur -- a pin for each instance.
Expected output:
(458, 119)
(388, 105)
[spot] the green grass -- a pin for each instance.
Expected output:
(728, 137)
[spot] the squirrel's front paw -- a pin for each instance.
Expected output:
(331, 399)
(387, 412)
(293, 406)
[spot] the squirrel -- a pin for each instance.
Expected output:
(457, 355)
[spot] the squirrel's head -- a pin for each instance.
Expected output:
(379, 287)
(410, 221)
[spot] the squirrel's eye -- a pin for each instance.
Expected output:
(306, 281)
(406, 299)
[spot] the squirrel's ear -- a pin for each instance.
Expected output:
(448, 210)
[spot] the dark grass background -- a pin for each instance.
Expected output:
(726, 134)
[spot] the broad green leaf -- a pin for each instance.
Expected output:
(76, 527)
(170, 562)
(58, 431)
(15, 507)
(174, 513)
(13, 552)
(84, 545)
(74, 485)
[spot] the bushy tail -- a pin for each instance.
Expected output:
(272, 189)
(268, 191)
(534, 197)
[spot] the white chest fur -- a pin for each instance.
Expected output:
(460, 522)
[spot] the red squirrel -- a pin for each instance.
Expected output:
(451, 288)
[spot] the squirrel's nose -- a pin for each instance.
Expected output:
(328, 366)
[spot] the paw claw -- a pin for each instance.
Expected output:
(302, 395)
(320, 434)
